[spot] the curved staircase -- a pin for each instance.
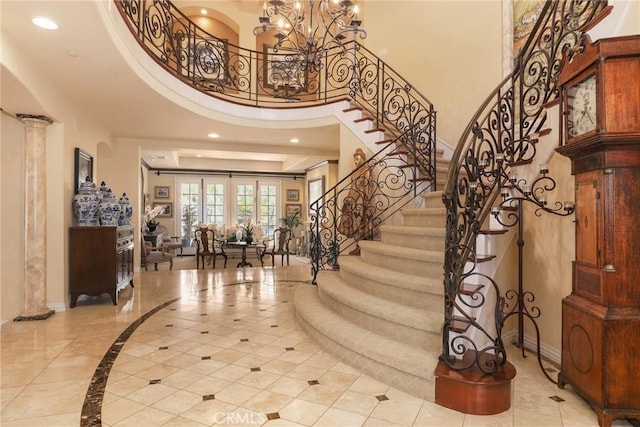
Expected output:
(383, 310)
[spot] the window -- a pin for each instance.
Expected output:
(244, 203)
(189, 207)
(214, 203)
(268, 208)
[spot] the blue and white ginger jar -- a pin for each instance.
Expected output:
(109, 209)
(126, 210)
(85, 205)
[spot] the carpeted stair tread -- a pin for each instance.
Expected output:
(425, 211)
(417, 362)
(396, 279)
(400, 252)
(374, 306)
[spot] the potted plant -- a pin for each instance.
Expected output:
(291, 222)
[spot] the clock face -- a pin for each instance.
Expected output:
(581, 100)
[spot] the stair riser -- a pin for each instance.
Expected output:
(403, 265)
(429, 243)
(394, 376)
(418, 338)
(424, 220)
(422, 300)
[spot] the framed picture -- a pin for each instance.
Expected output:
(316, 190)
(283, 70)
(83, 167)
(168, 209)
(293, 195)
(291, 210)
(162, 192)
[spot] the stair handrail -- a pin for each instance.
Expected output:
(243, 76)
(354, 208)
(502, 134)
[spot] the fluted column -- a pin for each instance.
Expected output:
(35, 220)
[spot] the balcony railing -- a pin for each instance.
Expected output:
(403, 168)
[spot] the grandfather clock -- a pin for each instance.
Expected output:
(600, 117)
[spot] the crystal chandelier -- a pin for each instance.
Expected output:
(308, 31)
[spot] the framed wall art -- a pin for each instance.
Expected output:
(293, 195)
(83, 167)
(161, 192)
(167, 212)
(291, 210)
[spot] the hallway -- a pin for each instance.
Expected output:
(221, 347)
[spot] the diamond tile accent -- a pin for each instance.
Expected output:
(255, 369)
(382, 397)
(164, 347)
(203, 314)
(205, 358)
(274, 326)
(556, 398)
(273, 416)
(244, 339)
(313, 382)
(169, 326)
(204, 332)
(289, 348)
(236, 320)
(208, 397)
(158, 381)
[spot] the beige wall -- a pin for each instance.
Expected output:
(450, 50)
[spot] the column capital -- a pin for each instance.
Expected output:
(34, 117)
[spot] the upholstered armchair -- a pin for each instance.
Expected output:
(277, 245)
(208, 247)
(170, 242)
(155, 255)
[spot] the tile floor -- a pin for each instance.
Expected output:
(221, 347)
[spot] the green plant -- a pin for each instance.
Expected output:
(189, 220)
(291, 222)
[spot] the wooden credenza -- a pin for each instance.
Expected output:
(601, 316)
(100, 261)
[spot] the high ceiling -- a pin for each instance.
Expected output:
(82, 62)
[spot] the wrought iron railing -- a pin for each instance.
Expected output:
(501, 135)
(356, 206)
(269, 79)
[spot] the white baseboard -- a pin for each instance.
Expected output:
(57, 306)
(547, 352)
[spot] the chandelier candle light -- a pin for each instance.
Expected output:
(308, 40)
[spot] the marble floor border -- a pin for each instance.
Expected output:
(92, 407)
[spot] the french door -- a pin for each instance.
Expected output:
(227, 203)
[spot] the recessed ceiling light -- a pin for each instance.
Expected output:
(203, 11)
(198, 155)
(294, 140)
(45, 23)
(213, 135)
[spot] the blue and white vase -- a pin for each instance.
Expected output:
(126, 210)
(85, 205)
(109, 209)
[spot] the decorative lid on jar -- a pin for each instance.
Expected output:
(104, 189)
(126, 210)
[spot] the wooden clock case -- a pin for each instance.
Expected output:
(601, 316)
